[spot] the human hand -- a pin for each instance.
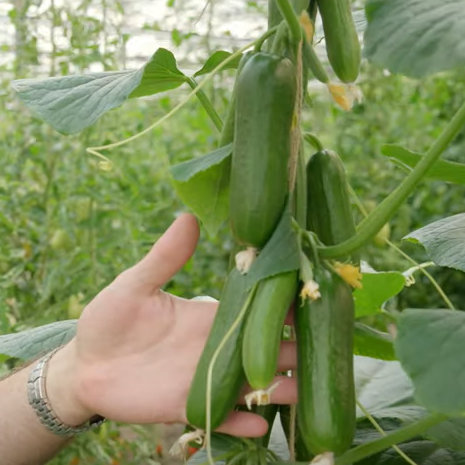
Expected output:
(137, 347)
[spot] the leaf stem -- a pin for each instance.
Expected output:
(396, 437)
(386, 209)
(291, 19)
(378, 428)
(261, 40)
(206, 103)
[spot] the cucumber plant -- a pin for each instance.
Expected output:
(296, 219)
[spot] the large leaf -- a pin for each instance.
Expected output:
(450, 433)
(33, 342)
(442, 170)
(377, 288)
(203, 185)
(280, 254)
(72, 103)
(421, 452)
(214, 60)
(431, 347)
(444, 241)
(415, 37)
(385, 390)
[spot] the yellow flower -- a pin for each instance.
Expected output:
(349, 273)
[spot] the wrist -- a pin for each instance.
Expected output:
(62, 387)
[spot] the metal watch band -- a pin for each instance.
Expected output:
(38, 399)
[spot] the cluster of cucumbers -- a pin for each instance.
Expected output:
(246, 334)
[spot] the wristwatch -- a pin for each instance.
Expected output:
(38, 399)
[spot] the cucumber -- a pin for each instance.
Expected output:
(329, 213)
(342, 44)
(262, 334)
(266, 92)
(326, 393)
(228, 374)
(227, 134)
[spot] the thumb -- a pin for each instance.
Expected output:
(168, 255)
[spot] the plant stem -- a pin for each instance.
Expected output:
(386, 209)
(398, 436)
(291, 19)
(269, 33)
(378, 428)
(205, 101)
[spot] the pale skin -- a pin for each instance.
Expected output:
(132, 359)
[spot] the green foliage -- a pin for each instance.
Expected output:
(203, 185)
(415, 37)
(29, 344)
(443, 240)
(442, 170)
(72, 103)
(377, 288)
(430, 346)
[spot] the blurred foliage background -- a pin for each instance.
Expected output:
(69, 224)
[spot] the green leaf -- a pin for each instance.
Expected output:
(421, 452)
(159, 74)
(443, 241)
(280, 254)
(373, 343)
(431, 347)
(30, 343)
(385, 390)
(214, 60)
(377, 288)
(203, 185)
(415, 37)
(450, 434)
(442, 170)
(72, 103)
(182, 172)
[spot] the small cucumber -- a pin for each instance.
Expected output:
(262, 334)
(326, 393)
(266, 92)
(329, 213)
(228, 374)
(342, 44)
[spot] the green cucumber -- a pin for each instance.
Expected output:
(227, 134)
(228, 374)
(266, 92)
(326, 393)
(329, 213)
(342, 44)
(262, 334)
